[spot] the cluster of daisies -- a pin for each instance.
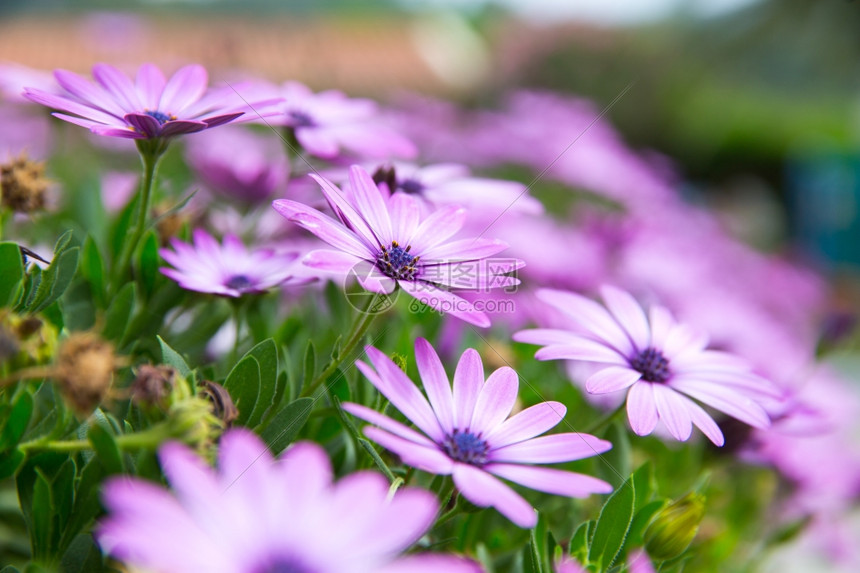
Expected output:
(600, 292)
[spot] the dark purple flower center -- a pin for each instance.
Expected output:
(300, 118)
(394, 261)
(411, 186)
(466, 447)
(283, 565)
(160, 116)
(239, 282)
(652, 364)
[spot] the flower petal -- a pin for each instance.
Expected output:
(612, 379)
(673, 412)
(641, 410)
(387, 423)
(629, 314)
(322, 226)
(556, 482)
(551, 449)
(484, 490)
(468, 380)
(369, 202)
(529, 423)
(184, 88)
(495, 400)
(428, 459)
(445, 302)
(436, 384)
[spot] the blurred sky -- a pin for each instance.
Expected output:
(609, 12)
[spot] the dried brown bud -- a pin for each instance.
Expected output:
(8, 344)
(222, 404)
(85, 365)
(153, 384)
(169, 226)
(23, 185)
(28, 327)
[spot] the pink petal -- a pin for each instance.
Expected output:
(317, 142)
(184, 88)
(589, 315)
(725, 400)
(484, 490)
(465, 250)
(629, 314)
(441, 225)
(118, 85)
(428, 459)
(529, 423)
(641, 409)
(705, 423)
(387, 424)
(436, 384)
(445, 302)
(673, 411)
(661, 325)
(334, 261)
(556, 482)
(495, 400)
(369, 202)
(468, 379)
(546, 336)
(322, 226)
(612, 379)
(150, 84)
(551, 449)
(88, 92)
(405, 215)
(581, 349)
(69, 106)
(347, 213)
(431, 563)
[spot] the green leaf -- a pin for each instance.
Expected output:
(172, 358)
(82, 556)
(10, 569)
(149, 262)
(17, 421)
(119, 232)
(285, 426)
(243, 384)
(43, 518)
(106, 448)
(614, 465)
(10, 462)
(93, 269)
(538, 544)
(643, 484)
(173, 210)
(579, 541)
(87, 503)
(310, 365)
(63, 489)
(11, 273)
(55, 279)
(641, 520)
(118, 315)
(32, 279)
(266, 354)
(612, 526)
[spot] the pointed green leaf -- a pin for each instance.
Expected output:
(106, 448)
(10, 462)
(266, 354)
(118, 315)
(16, 421)
(612, 526)
(149, 262)
(243, 384)
(43, 517)
(93, 269)
(173, 358)
(55, 279)
(11, 273)
(285, 426)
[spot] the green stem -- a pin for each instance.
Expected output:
(149, 438)
(237, 318)
(605, 420)
(151, 152)
(356, 335)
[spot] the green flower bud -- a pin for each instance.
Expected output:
(672, 531)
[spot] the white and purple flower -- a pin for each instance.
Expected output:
(466, 433)
(660, 363)
(149, 107)
(386, 242)
(227, 270)
(256, 514)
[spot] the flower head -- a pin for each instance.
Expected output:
(467, 432)
(150, 107)
(661, 363)
(385, 239)
(256, 514)
(229, 269)
(328, 121)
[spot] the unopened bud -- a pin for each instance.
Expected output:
(85, 365)
(191, 421)
(23, 185)
(674, 528)
(168, 226)
(222, 404)
(153, 384)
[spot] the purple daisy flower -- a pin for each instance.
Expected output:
(256, 514)
(324, 123)
(661, 364)
(146, 108)
(467, 432)
(384, 240)
(227, 270)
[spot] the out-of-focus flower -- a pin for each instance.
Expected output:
(24, 131)
(23, 185)
(568, 565)
(227, 270)
(238, 164)
(467, 433)
(453, 184)
(660, 363)
(255, 514)
(327, 122)
(118, 187)
(150, 107)
(15, 77)
(387, 244)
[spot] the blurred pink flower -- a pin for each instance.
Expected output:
(255, 513)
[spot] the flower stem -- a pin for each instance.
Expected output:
(356, 335)
(151, 152)
(149, 438)
(605, 420)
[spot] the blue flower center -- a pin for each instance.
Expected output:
(283, 565)
(411, 186)
(160, 116)
(466, 447)
(396, 262)
(238, 282)
(652, 364)
(300, 119)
